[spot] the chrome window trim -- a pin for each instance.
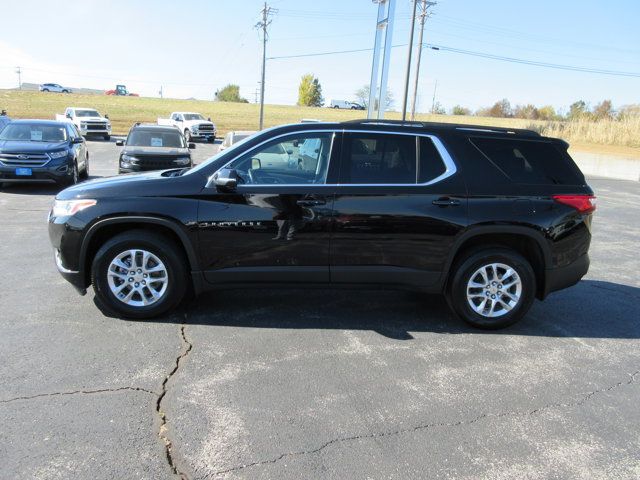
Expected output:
(450, 166)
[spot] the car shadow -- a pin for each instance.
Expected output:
(591, 309)
(32, 188)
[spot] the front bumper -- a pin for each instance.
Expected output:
(95, 131)
(74, 277)
(207, 135)
(46, 174)
(564, 277)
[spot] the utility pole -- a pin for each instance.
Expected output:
(266, 12)
(19, 72)
(433, 101)
(406, 81)
(160, 92)
(424, 5)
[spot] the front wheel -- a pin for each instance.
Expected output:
(492, 288)
(138, 274)
(73, 178)
(187, 136)
(107, 137)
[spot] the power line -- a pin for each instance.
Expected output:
(478, 54)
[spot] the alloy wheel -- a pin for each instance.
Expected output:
(494, 290)
(137, 278)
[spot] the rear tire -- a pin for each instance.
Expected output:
(170, 285)
(45, 89)
(492, 288)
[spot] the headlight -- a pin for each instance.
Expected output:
(63, 153)
(194, 128)
(66, 208)
(83, 124)
(108, 126)
(129, 158)
(182, 161)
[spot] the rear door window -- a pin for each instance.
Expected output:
(379, 159)
(530, 162)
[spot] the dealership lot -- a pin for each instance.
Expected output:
(317, 383)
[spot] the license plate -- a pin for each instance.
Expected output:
(24, 172)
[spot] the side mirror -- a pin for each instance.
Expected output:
(225, 179)
(256, 164)
(106, 116)
(208, 119)
(191, 145)
(290, 152)
(120, 143)
(68, 115)
(77, 140)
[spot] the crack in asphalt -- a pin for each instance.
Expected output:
(186, 347)
(79, 392)
(402, 431)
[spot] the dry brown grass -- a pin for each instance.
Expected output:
(124, 111)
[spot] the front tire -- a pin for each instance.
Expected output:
(73, 178)
(492, 288)
(138, 274)
(107, 137)
(187, 136)
(85, 172)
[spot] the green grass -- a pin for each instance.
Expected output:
(124, 111)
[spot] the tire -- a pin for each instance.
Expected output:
(506, 311)
(107, 137)
(171, 291)
(65, 91)
(73, 178)
(187, 135)
(85, 172)
(45, 89)
(336, 106)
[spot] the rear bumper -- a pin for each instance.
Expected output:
(563, 277)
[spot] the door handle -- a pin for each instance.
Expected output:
(446, 202)
(311, 203)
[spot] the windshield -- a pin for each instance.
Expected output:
(87, 113)
(33, 132)
(193, 116)
(155, 138)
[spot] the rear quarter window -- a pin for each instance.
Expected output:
(530, 162)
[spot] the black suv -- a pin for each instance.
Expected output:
(490, 217)
(154, 147)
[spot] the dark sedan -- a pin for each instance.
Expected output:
(42, 151)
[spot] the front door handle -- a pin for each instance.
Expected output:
(446, 202)
(311, 203)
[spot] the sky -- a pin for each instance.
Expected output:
(191, 48)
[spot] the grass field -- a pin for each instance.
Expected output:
(617, 137)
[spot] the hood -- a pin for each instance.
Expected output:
(156, 151)
(26, 146)
(151, 183)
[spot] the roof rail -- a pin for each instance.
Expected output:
(373, 121)
(508, 131)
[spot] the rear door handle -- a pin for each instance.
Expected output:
(446, 202)
(311, 203)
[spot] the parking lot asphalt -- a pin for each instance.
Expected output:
(308, 383)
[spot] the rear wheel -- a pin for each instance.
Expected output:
(138, 274)
(492, 288)
(45, 89)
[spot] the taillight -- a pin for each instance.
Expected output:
(582, 203)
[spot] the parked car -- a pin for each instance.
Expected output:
(153, 147)
(231, 138)
(42, 151)
(345, 104)
(88, 120)
(121, 90)
(4, 119)
(192, 124)
(54, 87)
(490, 217)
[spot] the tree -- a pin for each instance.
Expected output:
(604, 110)
(629, 111)
(438, 109)
(460, 110)
(362, 95)
(501, 108)
(230, 93)
(529, 112)
(547, 113)
(578, 110)
(310, 91)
